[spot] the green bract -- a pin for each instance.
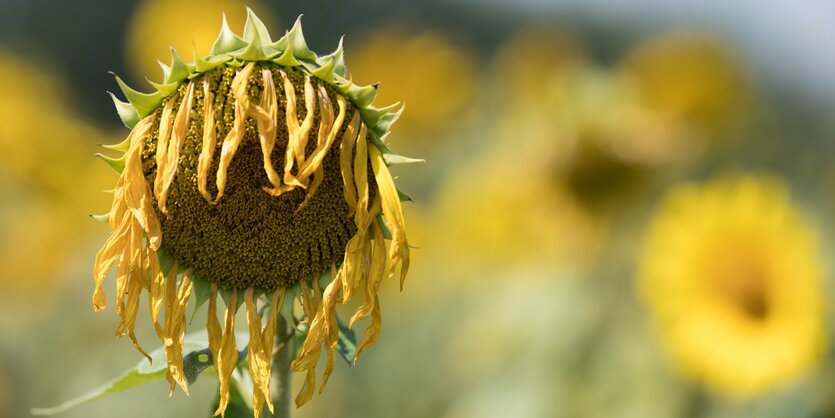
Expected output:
(256, 45)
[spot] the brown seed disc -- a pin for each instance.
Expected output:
(250, 238)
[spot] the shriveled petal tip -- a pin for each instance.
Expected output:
(306, 392)
(227, 356)
(260, 354)
(175, 329)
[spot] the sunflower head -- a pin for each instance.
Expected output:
(256, 168)
(732, 275)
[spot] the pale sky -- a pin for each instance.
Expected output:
(792, 42)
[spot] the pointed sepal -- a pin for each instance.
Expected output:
(258, 40)
(372, 115)
(179, 69)
(202, 292)
(326, 70)
(226, 295)
(202, 65)
(294, 41)
(166, 70)
(287, 59)
(404, 197)
(257, 49)
(120, 147)
(165, 90)
(386, 121)
(226, 41)
(362, 96)
(144, 103)
(127, 113)
(254, 27)
(384, 227)
(117, 164)
(103, 218)
(339, 58)
(390, 157)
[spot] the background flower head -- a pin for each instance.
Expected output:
(731, 273)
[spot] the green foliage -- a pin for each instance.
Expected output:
(197, 359)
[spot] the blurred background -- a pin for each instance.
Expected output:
(557, 274)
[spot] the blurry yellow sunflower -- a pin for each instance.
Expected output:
(41, 220)
(257, 168)
(156, 26)
(534, 57)
(496, 234)
(691, 79)
(606, 130)
(732, 275)
(431, 74)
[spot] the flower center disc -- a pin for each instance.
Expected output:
(250, 238)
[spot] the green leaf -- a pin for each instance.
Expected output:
(347, 344)
(194, 362)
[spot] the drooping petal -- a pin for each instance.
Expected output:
(165, 125)
(156, 291)
(392, 213)
(346, 153)
(227, 357)
(178, 137)
(372, 285)
(131, 213)
(297, 133)
(236, 134)
(266, 117)
(175, 329)
(105, 258)
(309, 355)
(259, 358)
(328, 129)
(207, 152)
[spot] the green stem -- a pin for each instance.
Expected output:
(282, 377)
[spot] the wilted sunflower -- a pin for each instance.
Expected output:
(251, 170)
(732, 275)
